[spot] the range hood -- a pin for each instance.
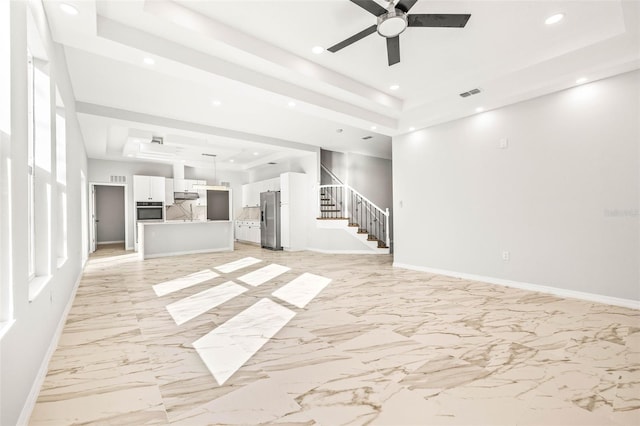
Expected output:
(185, 196)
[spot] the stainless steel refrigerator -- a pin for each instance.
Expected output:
(270, 220)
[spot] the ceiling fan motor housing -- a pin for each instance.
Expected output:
(392, 23)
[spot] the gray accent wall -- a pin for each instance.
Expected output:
(370, 176)
(110, 213)
(562, 198)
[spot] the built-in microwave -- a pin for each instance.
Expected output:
(149, 210)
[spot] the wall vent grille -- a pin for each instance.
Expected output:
(118, 179)
(157, 139)
(227, 184)
(470, 92)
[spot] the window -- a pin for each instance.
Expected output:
(61, 179)
(42, 189)
(31, 242)
(6, 255)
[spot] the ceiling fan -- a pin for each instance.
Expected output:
(394, 20)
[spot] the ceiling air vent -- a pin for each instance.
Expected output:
(470, 92)
(272, 163)
(157, 139)
(367, 137)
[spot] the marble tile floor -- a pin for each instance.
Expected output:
(374, 346)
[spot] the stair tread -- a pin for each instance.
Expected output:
(332, 218)
(330, 211)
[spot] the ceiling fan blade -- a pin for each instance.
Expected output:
(438, 20)
(344, 43)
(370, 6)
(405, 5)
(393, 50)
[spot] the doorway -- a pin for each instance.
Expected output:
(109, 226)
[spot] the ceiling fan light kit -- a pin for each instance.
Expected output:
(391, 22)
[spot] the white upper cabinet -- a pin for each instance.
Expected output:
(149, 188)
(251, 191)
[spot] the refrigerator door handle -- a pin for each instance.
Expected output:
(261, 215)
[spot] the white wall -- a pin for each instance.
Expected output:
(563, 198)
(304, 164)
(110, 213)
(25, 346)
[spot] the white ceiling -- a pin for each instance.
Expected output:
(255, 58)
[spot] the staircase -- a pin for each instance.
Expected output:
(341, 206)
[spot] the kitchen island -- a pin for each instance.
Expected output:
(176, 237)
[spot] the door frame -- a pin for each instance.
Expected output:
(92, 213)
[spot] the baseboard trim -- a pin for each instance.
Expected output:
(317, 250)
(180, 253)
(109, 242)
(561, 292)
(32, 398)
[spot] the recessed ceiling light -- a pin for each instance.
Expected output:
(256, 153)
(581, 80)
(373, 127)
(184, 161)
(291, 104)
(317, 49)
(68, 9)
(129, 155)
(136, 140)
(232, 160)
(394, 87)
(216, 103)
(149, 61)
(554, 19)
(338, 130)
(479, 109)
(411, 129)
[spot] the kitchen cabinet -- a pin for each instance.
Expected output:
(168, 192)
(248, 231)
(189, 185)
(251, 191)
(295, 190)
(149, 188)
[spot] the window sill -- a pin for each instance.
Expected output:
(61, 261)
(36, 285)
(5, 326)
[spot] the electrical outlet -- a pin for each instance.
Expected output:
(505, 256)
